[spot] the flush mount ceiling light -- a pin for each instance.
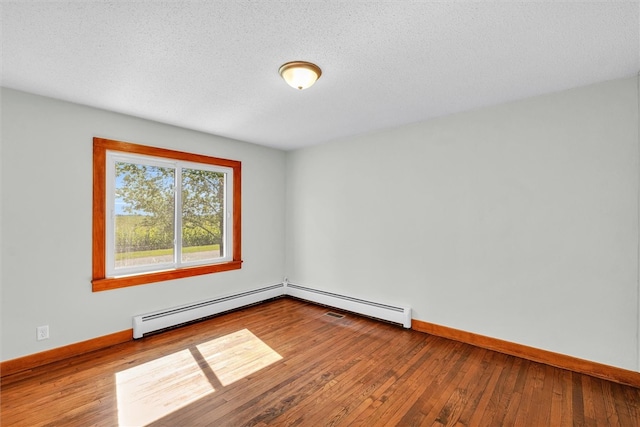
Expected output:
(299, 74)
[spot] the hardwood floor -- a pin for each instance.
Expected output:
(287, 362)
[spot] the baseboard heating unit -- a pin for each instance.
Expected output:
(151, 322)
(163, 319)
(390, 313)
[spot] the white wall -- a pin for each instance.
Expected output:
(518, 222)
(46, 222)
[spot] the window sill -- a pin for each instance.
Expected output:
(108, 283)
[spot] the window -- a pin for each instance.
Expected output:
(161, 214)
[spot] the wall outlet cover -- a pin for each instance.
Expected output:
(42, 332)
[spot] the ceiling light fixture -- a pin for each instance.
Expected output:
(299, 74)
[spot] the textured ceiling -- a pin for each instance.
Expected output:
(213, 66)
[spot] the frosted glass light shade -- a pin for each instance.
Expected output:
(300, 75)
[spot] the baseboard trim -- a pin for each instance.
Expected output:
(557, 360)
(14, 366)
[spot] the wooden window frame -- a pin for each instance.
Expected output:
(99, 280)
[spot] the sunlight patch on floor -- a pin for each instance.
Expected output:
(153, 390)
(237, 355)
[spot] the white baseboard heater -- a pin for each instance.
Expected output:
(163, 319)
(390, 313)
(151, 322)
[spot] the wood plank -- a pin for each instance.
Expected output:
(577, 412)
(514, 406)
(391, 377)
(354, 387)
(478, 411)
(446, 408)
(405, 406)
(503, 392)
(561, 401)
(479, 390)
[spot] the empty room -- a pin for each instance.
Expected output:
(252, 213)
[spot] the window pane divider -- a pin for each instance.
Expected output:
(177, 235)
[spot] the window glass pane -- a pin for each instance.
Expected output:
(144, 215)
(202, 215)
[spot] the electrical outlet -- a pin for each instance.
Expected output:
(42, 332)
